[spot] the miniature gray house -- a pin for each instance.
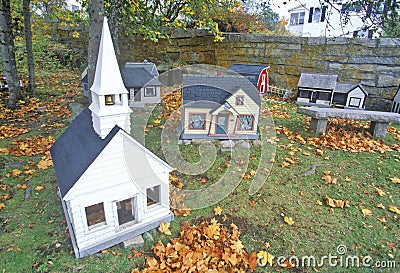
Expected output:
(324, 90)
(256, 74)
(396, 102)
(141, 80)
(223, 107)
(112, 188)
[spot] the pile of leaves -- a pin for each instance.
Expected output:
(176, 197)
(171, 102)
(207, 247)
(346, 135)
(31, 146)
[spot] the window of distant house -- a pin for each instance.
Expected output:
(305, 94)
(150, 92)
(324, 96)
(317, 15)
(245, 122)
(197, 121)
(297, 18)
(355, 102)
(239, 100)
(153, 195)
(95, 215)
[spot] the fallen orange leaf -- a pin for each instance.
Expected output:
(217, 211)
(164, 228)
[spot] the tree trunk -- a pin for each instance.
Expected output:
(115, 14)
(8, 53)
(28, 43)
(96, 14)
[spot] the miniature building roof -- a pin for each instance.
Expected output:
(136, 76)
(150, 67)
(347, 87)
(107, 79)
(248, 70)
(76, 149)
(317, 81)
(215, 89)
(397, 96)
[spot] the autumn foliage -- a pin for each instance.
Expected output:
(207, 247)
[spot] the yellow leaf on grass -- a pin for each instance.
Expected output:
(44, 164)
(319, 152)
(380, 206)
(379, 192)
(366, 212)
(395, 180)
(394, 209)
(382, 219)
(334, 203)
(318, 202)
(288, 220)
(217, 211)
(164, 228)
(39, 188)
(2, 205)
(15, 172)
(347, 179)
(4, 151)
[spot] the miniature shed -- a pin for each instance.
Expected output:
(324, 90)
(223, 107)
(141, 80)
(396, 102)
(112, 188)
(256, 74)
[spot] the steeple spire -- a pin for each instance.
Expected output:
(109, 96)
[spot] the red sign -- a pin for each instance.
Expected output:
(262, 83)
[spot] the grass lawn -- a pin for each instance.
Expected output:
(34, 235)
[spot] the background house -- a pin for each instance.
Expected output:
(141, 80)
(324, 90)
(112, 188)
(311, 19)
(256, 74)
(396, 102)
(219, 107)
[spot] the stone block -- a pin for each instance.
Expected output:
(227, 144)
(318, 125)
(387, 81)
(135, 242)
(378, 129)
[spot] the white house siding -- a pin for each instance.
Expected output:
(249, 108)
(356, 93)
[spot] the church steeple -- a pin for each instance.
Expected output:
(109, 96)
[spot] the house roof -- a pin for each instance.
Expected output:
(298, 8)
(347, 87)
(137, 76)
(397, 96)
(318, 81)
(215, 89)
(107, 78)
(76, 149)
(247, 69)
(150, 67)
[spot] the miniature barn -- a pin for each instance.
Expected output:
(112, 188)
(323, 90)
(222, 107)
(256, 74)
(141, 80)
(396, 102)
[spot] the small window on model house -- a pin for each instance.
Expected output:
(153, 195)
(245, 122)
(150, 92)
(126, 210)
(197, 121)
(239, 100)
(95, 215)
(354, 102)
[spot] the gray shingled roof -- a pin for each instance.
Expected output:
(76, 149)
(148, 66)
(317, 81)
(249, 71)
(347, 87)
(397, 96)
(215, 89)
(137, 77)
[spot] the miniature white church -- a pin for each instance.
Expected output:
(112, 188)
